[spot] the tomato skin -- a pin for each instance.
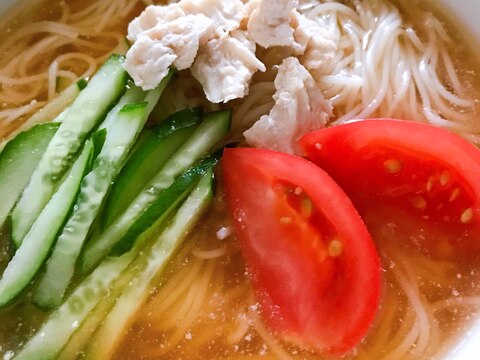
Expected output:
(427, 174)
(306, 295)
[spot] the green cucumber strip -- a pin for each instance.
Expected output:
(158, 209)
(75, 347)
(213, 128)
(123, 128)
(49, 112)
(84, 114)
(37, 244)
(146, 270)
(98, 140)
(121, 135)
(18, 161)
(49, 340)
(83, 309)
(133, 95)
(156, 148)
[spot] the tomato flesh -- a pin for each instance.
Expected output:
(312, 263)
(424, 178)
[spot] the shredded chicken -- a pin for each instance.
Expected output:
(175, 42)
(225, 66)
(217, 40)
(299, 108)
(225, 14)
(177, 33)
(150, 62)
(153, 16)
(315, 43)
(269, 23)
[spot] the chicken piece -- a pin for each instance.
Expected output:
(225, 66)
(316, 43)
(269, 23)
(148, 62)
(152, 16)
(225, 14)
(299, 108)
(175, 42)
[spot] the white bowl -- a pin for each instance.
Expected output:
(465, 15)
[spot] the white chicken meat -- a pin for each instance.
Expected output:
(225, 66)
(299, 108)
(269, 22)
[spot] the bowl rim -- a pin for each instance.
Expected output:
(463, 13)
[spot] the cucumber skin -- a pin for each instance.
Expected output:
(107, 280)
(212, 129)
(31, 255)
(122, 126)
(146, 160)
(143, 273)
(49, 340)
(83, 115)
(18, 161)
(170, 197)
(120, 136)
(61, 265)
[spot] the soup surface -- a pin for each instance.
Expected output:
(204, 307)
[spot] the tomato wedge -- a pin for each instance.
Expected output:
(311, 260)
(420, 179)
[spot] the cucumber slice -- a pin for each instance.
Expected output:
(214, 127)
(146, 270)
(102, 284)
(31, 255)
(121, 135)
(134, 95)
(156, 148)
(17, 162)
(158, 209)
(49, 340)
(83, 115)
(50, 111)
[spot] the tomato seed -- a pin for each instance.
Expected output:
(444, 178)
(455, 195)
(298, 190)
(335, 248)
(466, 216)
(430, 184)
(306, 207)
(392, 166)
(419, 203)
(285, 220)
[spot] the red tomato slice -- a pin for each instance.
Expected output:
(421, 179)
(312, 263)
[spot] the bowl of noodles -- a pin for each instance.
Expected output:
(114, 242)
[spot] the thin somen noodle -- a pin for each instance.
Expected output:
(383, 67)
(74, 49)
